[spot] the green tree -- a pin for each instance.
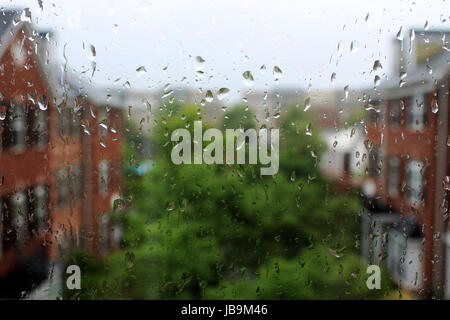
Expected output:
(213, 231)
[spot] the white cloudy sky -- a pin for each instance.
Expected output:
(301, 37)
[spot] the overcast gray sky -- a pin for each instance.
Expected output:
(307, 40)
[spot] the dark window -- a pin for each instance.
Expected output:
(62, 186)
(347, 162)
(374, 158)
(394, 113)
(415, 181)
(394, 175)
(19, 218)
(103, 175)
(76, 181)
(416, 112)
(39, 207)
(40, 127)
(18, 123)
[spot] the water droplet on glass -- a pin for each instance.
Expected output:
(248, 78)
(333, 77)
(429, 69)
(93, 52)
(293, 176)
(222, 94)
(377, 80)
(42, 102)
(354, 47)
(262, 69)
(2, 112)
(307, 104)
(308, 131)
(209, 96)
(141, 70)
(399, 34)
(426, 25)
(115, 28)
(277, 73)
(166, 94)
(199, 63)
(377, 66)
(434, 106)
(446, 183)
(346, 90)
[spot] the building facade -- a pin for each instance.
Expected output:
(405, 223)
(60, 161)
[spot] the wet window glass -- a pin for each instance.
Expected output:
(236, 150)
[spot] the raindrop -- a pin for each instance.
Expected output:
(376, 80)
(333, 77)
(130, 259)
(199, 59)
(222, 94)
(377, 66)
(102, 142)
(262, 69)
(446, 183)
(209, 96)
(141, 70)
(354, 47)
(166, 94)
(308, 130)
(115, 28)
(434, 106)
(399, 34)
(426, 25)
(334, 253)
(429, 69)
(248, 78)
(2, 112)
(346, 90)
(277, 73)
(199, 63)
(401, 83)
(293, 176)
(93, 52)
(307, 104)
(412, 36)
(42, 102)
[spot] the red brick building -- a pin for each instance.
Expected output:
(406, 221)
(60, 159)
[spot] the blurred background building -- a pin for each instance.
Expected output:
(60, 159)
(406, 188)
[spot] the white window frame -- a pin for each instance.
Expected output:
(19, 217)
(18, 124)
(416, 111)
(103, 177)
(415, 180)
(394, 161)
(41, 196)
